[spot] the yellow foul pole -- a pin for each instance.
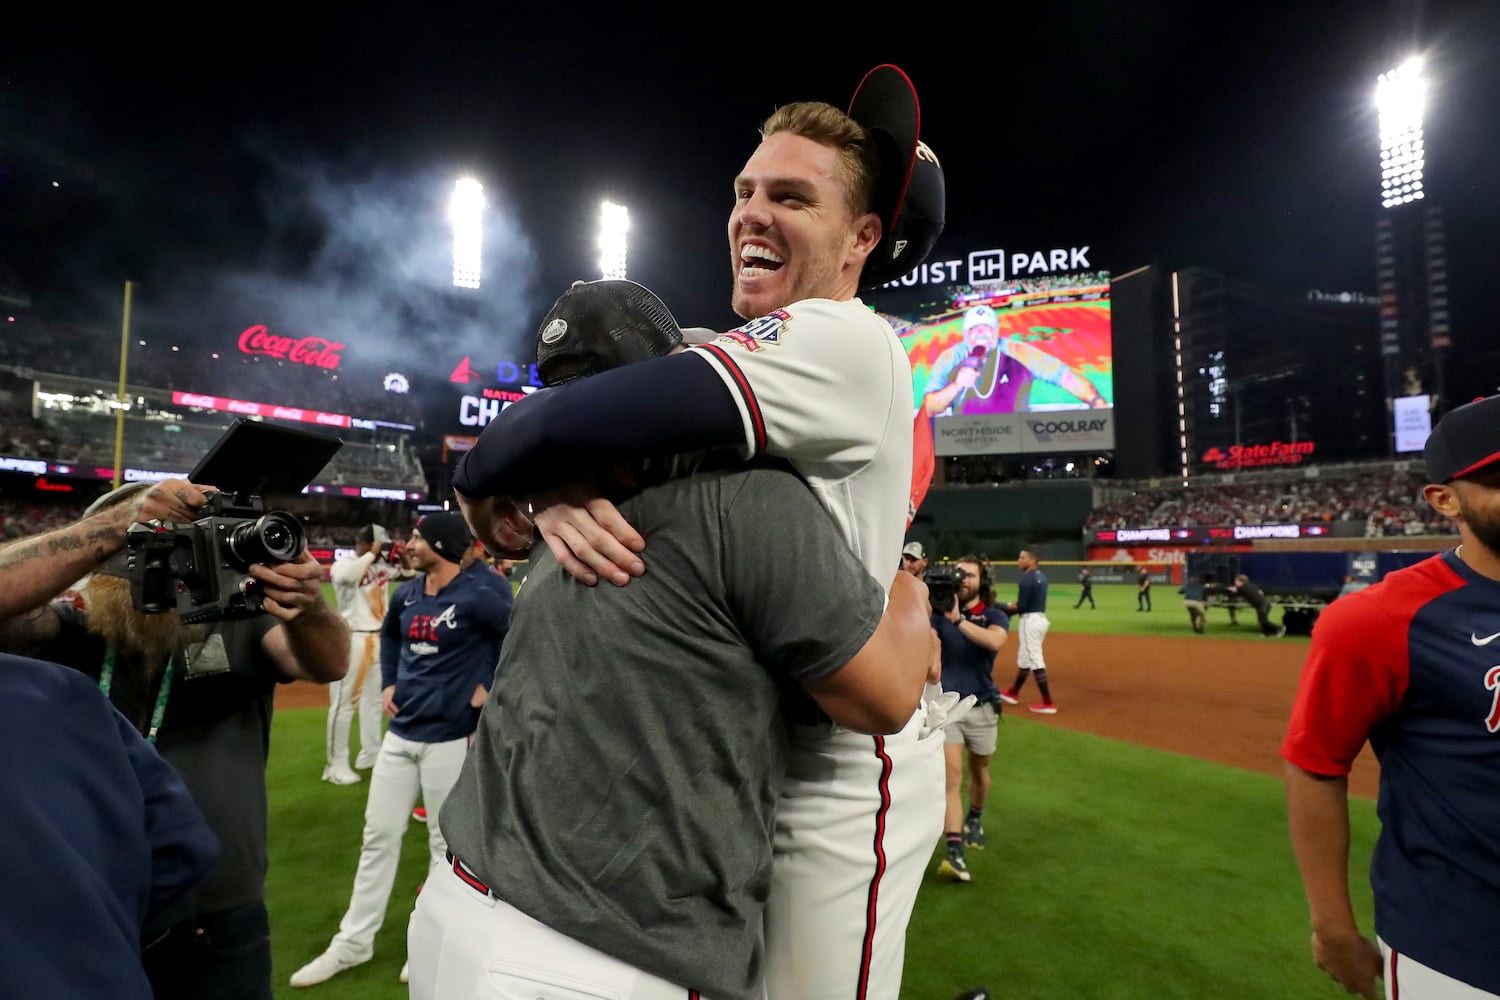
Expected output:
(120, 396)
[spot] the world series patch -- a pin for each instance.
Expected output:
(765, 329)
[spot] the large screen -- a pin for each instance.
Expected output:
(1025, 345)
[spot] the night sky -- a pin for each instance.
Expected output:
(294, 164)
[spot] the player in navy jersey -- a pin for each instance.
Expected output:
(1030, 612)
(1412, 665)
(439, 644)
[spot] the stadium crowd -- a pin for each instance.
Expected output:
(1388, 503)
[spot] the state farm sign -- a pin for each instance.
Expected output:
(314, 351)
(1251, 455)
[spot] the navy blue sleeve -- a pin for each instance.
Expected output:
(1026, 594)
(390, 638)
(997, 616)
(183, 848)
(559, 436)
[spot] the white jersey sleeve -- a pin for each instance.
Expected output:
(812, 381)
(827, 386)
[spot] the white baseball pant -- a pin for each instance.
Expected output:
(359, 691)
(403, 769)
(1407, 979)
(855, 825)
(1032, 629)
(465, 944)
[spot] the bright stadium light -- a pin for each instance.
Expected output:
(614, 222)
(466, 212)
(1399, 97)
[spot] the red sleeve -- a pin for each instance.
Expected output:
(1355, 676)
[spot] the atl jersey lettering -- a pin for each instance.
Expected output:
(1412, 664)
(827, 386)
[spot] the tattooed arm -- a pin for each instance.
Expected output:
(35, 570)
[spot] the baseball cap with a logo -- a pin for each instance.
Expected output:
(1466, 440)
(915, 550)
(980, 316)
(910, 195)
(599, 325)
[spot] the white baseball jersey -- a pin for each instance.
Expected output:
(361, 585)
(827, 386)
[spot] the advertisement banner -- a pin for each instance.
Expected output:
(1049, 433)
(1413, 416)
(989, 434)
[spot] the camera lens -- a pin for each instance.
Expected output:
(275, 537)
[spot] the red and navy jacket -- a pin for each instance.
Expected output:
(1412, 664)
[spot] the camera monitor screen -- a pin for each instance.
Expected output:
(254, 457)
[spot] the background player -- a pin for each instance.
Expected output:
(361, 585)
(983, 374)
(815, 377)
(439, 645)
(1409, 665)
(1031, 608)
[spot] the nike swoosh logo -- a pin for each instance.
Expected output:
(408, 602)
(1485, 641)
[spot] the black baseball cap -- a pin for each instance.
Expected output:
(1466, 440)
(599, 325)
(910, 196)
(447, 533)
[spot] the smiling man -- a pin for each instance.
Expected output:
(827, 204)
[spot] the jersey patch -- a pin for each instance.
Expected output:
(765, 329)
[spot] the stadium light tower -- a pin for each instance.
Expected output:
(614, 223)
(1399, 97)
(466, 212)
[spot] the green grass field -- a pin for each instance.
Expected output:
(1113, 871)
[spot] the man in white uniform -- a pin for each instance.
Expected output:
(361, 585)
(815, 377)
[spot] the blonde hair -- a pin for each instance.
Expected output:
(858, 164)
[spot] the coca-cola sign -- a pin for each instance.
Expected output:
(314, 351)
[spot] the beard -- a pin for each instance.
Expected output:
(1486, 530)
(112, 616)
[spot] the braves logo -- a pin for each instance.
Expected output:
(1492, 683)
(765, 329)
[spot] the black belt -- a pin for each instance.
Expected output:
(467, 876)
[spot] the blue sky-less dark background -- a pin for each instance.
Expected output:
(290, 165)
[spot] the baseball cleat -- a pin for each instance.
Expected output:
(340, 776)
(1045, 708)
(322, 969)
(1009, 697)
(405, 976)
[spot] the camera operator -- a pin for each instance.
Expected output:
(202, 693)
(972, 633)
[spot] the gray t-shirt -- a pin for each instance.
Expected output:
(621, 786)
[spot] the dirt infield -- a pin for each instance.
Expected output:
(1224, 700)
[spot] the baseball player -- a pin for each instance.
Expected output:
(1409, 666)
(439, 642)
(361, 584)
(815, 377)
(1030, 608)
(984, 374)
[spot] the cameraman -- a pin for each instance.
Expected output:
(972, 634)
(202, 693)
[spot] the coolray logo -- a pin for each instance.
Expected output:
(422, 649)
(317, 352)
(1044, 429)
